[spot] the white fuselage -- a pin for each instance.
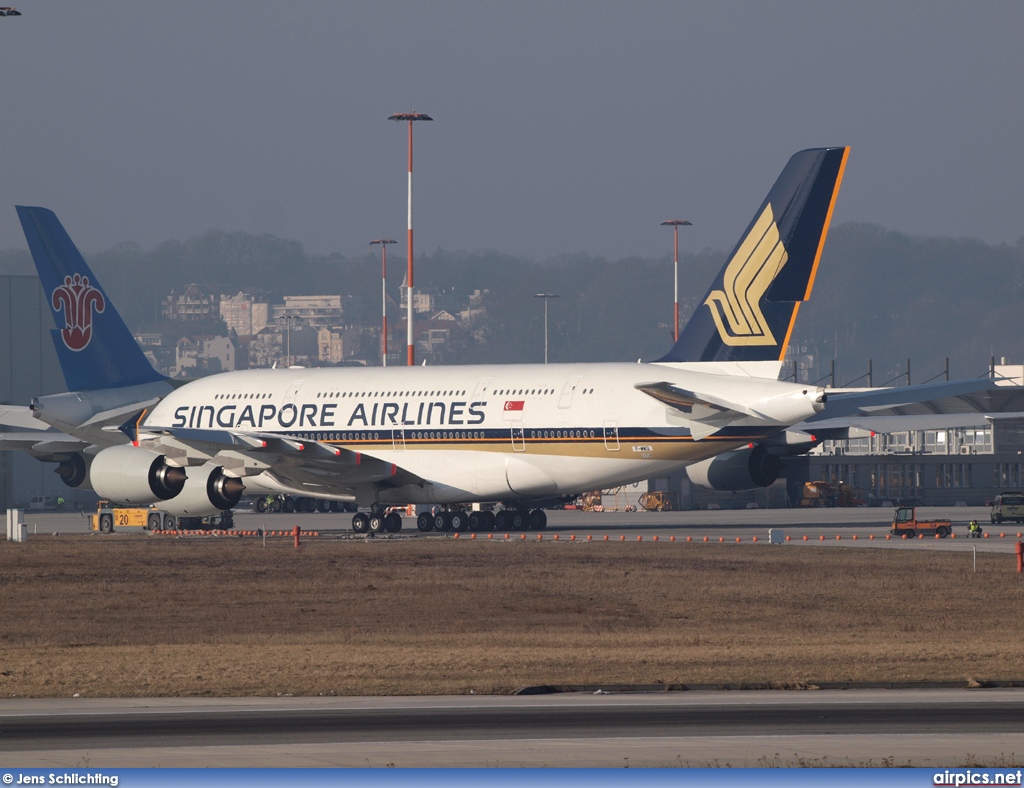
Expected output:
(477, 433)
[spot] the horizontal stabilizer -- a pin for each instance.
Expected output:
(848, 403)
(41, 443)
(20, 417)
(708, 414)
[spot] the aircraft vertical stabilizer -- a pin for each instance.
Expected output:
(94, 346)
(749, 312)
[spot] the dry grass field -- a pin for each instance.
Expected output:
(131, 616)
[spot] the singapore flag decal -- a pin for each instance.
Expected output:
(514, 404)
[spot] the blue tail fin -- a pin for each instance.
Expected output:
(94, 346)
(749, 312)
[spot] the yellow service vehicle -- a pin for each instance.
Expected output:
(109, 516)
(659, 501)
(1008, 506)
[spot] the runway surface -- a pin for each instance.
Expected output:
(869, 525)
(748, 728)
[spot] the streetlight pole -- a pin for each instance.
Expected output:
(288, 340)
(547, 297)
(383, 296)
(410, 117)
(675, 224)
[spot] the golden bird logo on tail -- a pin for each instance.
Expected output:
(736, 308)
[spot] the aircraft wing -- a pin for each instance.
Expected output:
(291, 459)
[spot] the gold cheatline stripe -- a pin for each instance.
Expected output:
(426, 443)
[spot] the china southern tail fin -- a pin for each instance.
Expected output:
(748, 314)
(94, 346)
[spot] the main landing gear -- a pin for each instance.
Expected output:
(377, 522)
(458, 520)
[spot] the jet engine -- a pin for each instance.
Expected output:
(128, 474)
(744, 469)
(208, 490)
(74, 471)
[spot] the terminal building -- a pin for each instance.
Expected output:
(960, 450)
(28, 368)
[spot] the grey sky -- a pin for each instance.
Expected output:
(559, 126)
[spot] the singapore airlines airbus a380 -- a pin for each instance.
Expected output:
(518, 434)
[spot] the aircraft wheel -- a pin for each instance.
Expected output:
(517, 518)
(360, 523)
(502, 522)
(153, 522)
(476, 521)
(443, 521)
(289, 505)
(393, 523)
(311, 505)
(459, 521)
(261, 505)
(488, 520)
(538, 520)
(425, 522)
(323, 506)
(377, 524)
(106, 523)
(275, 506)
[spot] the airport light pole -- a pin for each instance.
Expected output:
(675, 224)
(547, 297)
(410, 118)
(288, 339)
(383, 296)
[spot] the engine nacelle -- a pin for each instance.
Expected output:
(208, 490)
(74, 471)
(745, 469)
(128, 474)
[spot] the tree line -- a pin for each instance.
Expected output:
(879, 294)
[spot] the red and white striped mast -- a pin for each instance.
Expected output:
(383, 297)
(410, 117)
(675, 224)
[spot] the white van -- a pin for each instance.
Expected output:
(42, 503)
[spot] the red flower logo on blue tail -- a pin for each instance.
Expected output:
(78, 300)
